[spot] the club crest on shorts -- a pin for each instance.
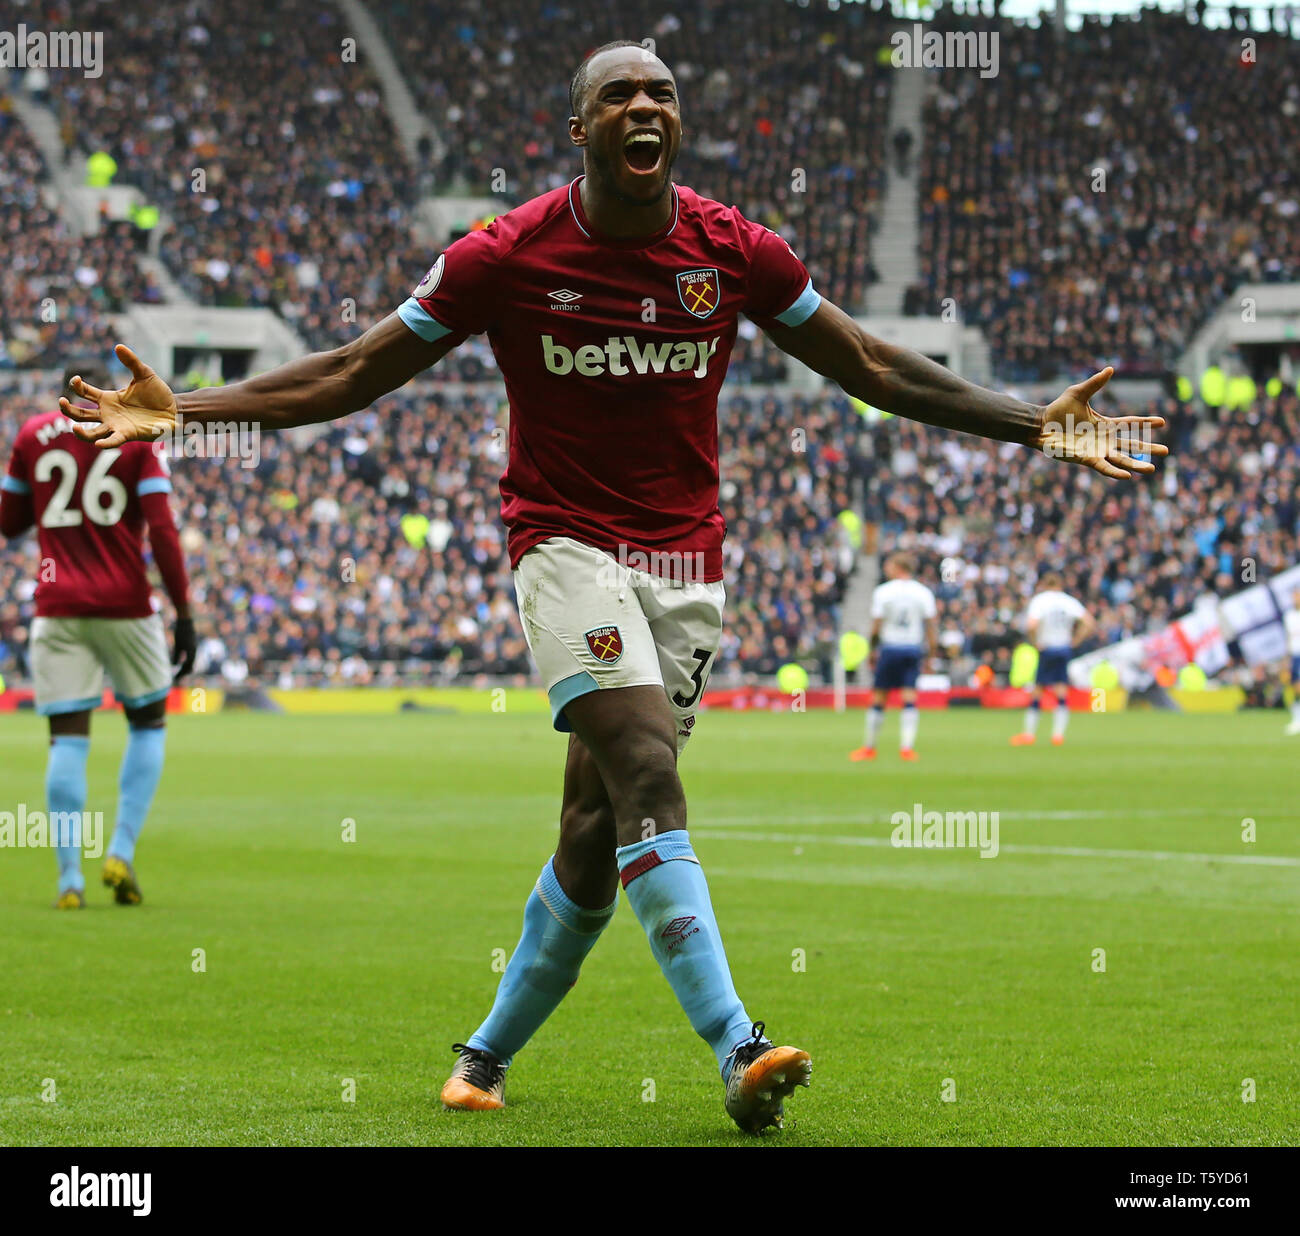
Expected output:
(605, 644)
(698, 290)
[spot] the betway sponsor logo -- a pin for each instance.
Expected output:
(622, 355)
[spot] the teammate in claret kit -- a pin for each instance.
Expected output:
(611, 305)
(94, 614)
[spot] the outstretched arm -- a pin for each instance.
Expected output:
(908, 384)
(321, 387)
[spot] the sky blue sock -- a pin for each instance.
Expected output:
(558, 935)
(668, 892)
(142, 766)
(65, 792)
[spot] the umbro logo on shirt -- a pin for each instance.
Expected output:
(565, 299)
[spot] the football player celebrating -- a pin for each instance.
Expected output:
(93, 613)
(611, 305)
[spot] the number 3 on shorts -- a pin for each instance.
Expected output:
(699, 677)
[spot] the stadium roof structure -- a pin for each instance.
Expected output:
(1073, 12)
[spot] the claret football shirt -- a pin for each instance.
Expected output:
(89, 517)
(613, 352)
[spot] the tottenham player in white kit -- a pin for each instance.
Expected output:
(1056, 622)
(903, 612)
(1293, 647)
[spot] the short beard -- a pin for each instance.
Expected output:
(602, 170)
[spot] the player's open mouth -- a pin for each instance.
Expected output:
(642, 150)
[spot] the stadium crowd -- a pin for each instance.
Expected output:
(784, 118)
(260, 131)
(57, 290)
(374, 552)
(265, 143)
(1095, 200)
(986, 520)
(1080, 218)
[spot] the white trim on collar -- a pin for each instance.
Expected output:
(677, 210)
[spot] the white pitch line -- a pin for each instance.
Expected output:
(885, 817)
(1064, 851)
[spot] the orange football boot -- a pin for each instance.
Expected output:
(761, 1079)
(477, 1083)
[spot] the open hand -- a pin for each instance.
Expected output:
(145, 410)
(1071, 430)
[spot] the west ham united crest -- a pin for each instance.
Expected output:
(605, 643)
(698, 291)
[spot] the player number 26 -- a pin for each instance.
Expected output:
(97, 486)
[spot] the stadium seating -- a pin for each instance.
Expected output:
(1086, 218)
(306, 195)
(303, 567)
(57, 291)
(1137, 554)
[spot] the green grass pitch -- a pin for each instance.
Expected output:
(947, 999)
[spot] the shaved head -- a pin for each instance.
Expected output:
(580, 79)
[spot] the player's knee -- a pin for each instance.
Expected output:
(650, 785)
(588, 829)
(150, 717)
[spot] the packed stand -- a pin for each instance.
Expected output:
(263, 136)
(987, 519)
(57, 290)
(1098, 198)
(767, 89)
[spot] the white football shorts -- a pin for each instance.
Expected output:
(69, 657)
(593, 623)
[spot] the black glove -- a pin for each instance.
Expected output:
(185, 648)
